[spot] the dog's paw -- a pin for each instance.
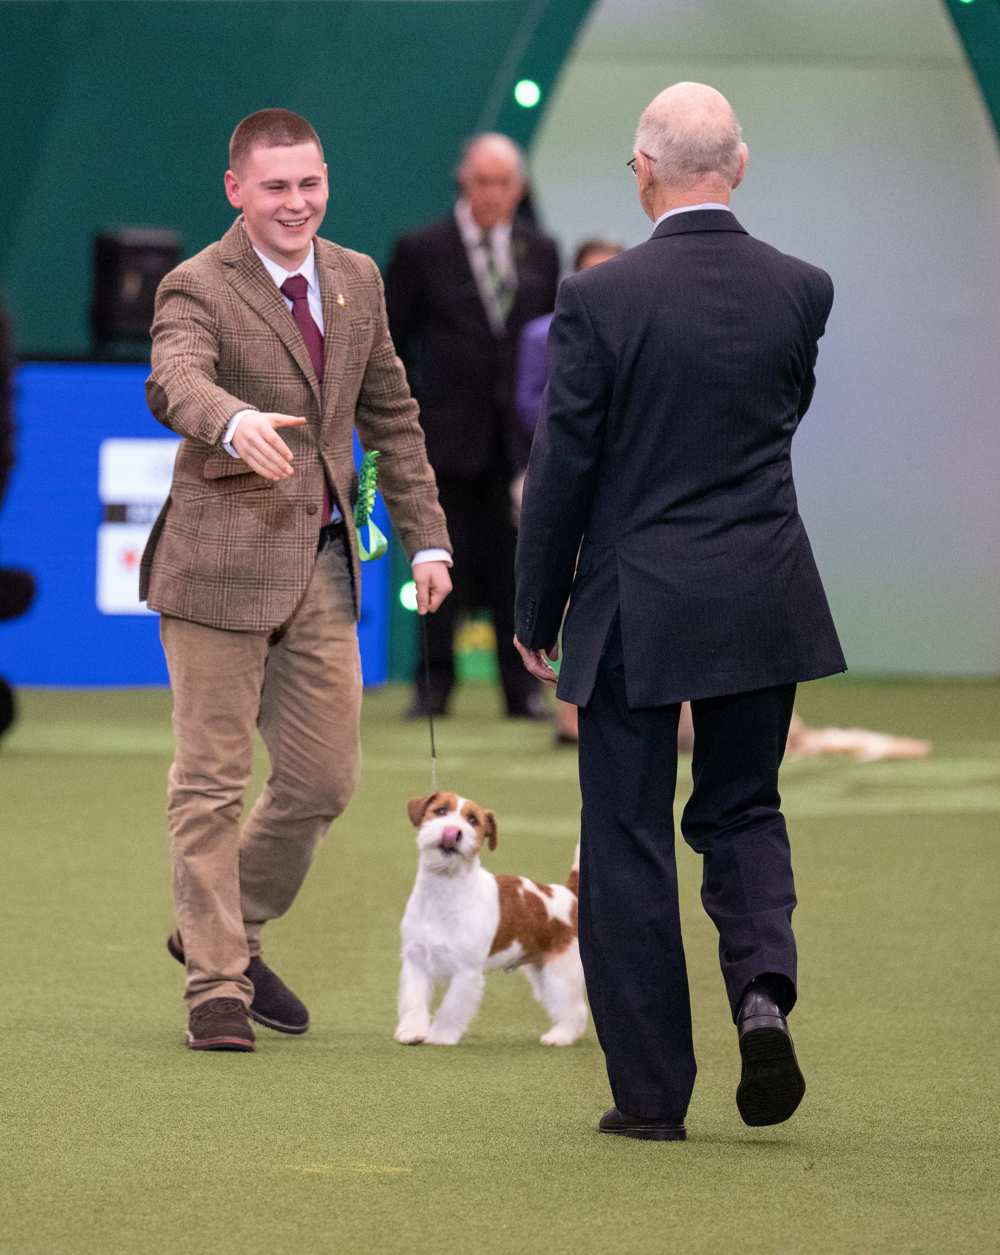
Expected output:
(442, 1037)
(410, 1036)
(559, 1036)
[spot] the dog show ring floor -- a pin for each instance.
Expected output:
(119, 1141)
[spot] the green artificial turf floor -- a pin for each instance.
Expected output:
(115, 1139)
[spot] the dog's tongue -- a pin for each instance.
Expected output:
(449, 838)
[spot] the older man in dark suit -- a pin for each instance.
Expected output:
(458, 293)
(679, 374)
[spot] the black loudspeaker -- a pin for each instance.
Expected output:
(129, 263)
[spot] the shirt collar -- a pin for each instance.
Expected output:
(279, 274)
(472, 232)
(687, 209)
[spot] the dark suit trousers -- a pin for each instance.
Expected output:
(483, 541)
(630, 935)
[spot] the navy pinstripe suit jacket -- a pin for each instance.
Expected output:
(679, 372)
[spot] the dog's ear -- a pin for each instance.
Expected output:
(490, 828)
(417, 806)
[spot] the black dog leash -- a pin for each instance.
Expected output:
(430, 710)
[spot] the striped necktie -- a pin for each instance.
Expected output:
(503, 289)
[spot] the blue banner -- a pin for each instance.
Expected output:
(93, 467)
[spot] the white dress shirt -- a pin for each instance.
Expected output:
(308, 272)
(499, 236)
(687, 209)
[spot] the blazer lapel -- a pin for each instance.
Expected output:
(336, 316)
(250, 280)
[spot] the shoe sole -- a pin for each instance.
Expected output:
(294, 1030)
(648, 1133)
(221, 1043)
(771, 1086)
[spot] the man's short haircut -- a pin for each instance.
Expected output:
(270, 128)
(687, 153)
(595, 245)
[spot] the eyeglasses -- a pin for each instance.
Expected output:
(631, 161)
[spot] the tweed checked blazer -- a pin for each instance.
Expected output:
(679, 373)
(231, 549)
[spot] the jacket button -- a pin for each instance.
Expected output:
(312, 509)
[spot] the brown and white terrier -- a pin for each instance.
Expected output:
(462, 922)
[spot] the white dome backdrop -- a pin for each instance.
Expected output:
(871, 154)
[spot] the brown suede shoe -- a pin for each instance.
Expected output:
(274, 1005)
(220, 1024)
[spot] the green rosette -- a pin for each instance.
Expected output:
(373, 544)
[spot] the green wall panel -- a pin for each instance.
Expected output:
(978, 26)
(121, 112)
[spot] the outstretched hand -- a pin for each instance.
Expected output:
(257, 442)
(535, 661)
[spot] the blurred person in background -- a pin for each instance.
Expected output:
(269, 348)
(532, 357)
(458, 293)
(17, 588)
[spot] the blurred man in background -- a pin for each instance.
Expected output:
(458, 293)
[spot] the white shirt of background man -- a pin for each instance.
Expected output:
(308, 272)
(472, 237)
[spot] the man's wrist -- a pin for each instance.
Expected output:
(230, 432)
(431, 555)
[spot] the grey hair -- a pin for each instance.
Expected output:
(683, 154)
(498, 137)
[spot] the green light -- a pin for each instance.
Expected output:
(527, 93)
(408, 595)
(965, 1)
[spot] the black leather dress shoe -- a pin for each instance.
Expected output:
(615, 1121)
(274, 1005)
(771, 1086)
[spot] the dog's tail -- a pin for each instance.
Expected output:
(573, 883)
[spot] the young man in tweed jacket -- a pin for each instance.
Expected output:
(269, 347)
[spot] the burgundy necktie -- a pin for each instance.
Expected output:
(296, 289)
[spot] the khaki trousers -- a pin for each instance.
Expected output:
(301, 686)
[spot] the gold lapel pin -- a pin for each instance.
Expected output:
(340, 299)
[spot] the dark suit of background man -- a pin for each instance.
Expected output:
(679, 374)
(458, 293)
